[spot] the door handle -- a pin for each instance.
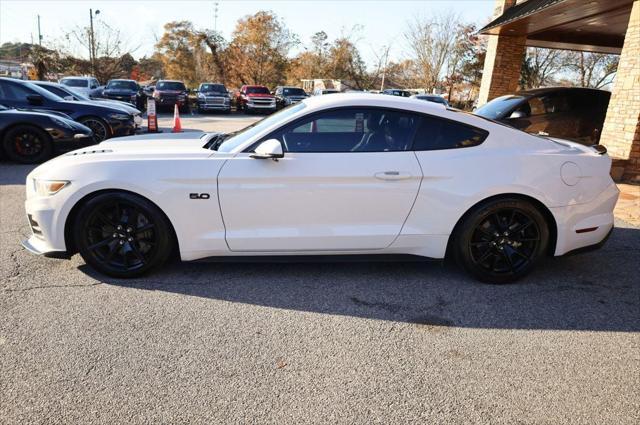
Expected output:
(392, 175)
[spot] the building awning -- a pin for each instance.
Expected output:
(594, 26)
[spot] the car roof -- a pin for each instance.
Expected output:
(79, 78)
(121, 79)
(544, 90)
(170, 81)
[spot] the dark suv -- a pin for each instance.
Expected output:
(171, 92)
(124, 90)
(104, 121)
(566, 112)
(286, 96)
(213, 97)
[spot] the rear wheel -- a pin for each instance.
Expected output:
(122, 235)
(27, 144)
(500, 241)
(100, 129)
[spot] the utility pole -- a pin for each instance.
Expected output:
(39, 33)
(384, 68)
(215, 16)
(92, 41)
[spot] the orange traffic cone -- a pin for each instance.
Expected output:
(177, 126)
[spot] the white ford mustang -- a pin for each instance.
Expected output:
(331, 175)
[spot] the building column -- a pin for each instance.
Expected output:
(621, 130)
(503, 61)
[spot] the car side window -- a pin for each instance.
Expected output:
(16, 92)
(438, 133)
(536, 106)
(350, 130)
(555, 103)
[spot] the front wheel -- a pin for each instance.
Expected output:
(101, 130)
(122, 235)
(27, 144)
(501, 240)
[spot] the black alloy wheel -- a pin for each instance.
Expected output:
(27, 144)
(122, 235)
(501, 241)
(100, 128)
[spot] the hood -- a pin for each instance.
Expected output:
(259, 95)
(125, 106)
(94, 105)
(122, 92)
(37, 111)
(162, 91)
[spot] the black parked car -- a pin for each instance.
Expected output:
(169, 93)
(397, 92)
(30, 137)
(213, 97)
(70, 94)
(566, 112)
(125, 91)
(286, 96)
(431, 98)
(105, 121)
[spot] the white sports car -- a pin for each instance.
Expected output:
(332, 175)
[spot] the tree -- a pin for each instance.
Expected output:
(431, 41)
(217, 48)
(177, 50)
(346, 63)
(594, 70)
(541, 67)
(257, 53)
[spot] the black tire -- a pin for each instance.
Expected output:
(101, 130)
(501, 240)
(122, 235)
(27, 144)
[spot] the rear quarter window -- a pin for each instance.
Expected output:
(438, 134)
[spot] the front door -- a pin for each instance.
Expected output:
(347, 182)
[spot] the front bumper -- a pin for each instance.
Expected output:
(262, 107)
(214, 106)
(122, 98)
(585, 225)
(123, 127)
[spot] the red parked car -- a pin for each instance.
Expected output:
(255, 98)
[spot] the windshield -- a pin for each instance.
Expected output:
(75, 82)
(498, 107)
(77, 94)
(293, 91)
(216, 88)
(170, 85)
(257, 90)
(122, 85)
(239, 137)
(42, 92)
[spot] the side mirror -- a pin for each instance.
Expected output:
(271, 148)
(35, 99)
(517, 114)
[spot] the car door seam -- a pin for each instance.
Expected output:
(224, 225)
(415, 199)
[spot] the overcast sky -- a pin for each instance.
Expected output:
(141, 22)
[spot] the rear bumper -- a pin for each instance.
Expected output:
(585, 225)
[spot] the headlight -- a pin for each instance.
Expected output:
(121, 117)
(133, 97)
(61, 123)
(48, 187)
(200, 96)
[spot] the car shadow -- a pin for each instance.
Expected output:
(597, 291)
(13, 173)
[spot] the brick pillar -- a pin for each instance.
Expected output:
(621, 131)
(502, 64)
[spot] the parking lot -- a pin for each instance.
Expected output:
(357, 342)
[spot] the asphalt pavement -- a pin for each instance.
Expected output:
(356, 342)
